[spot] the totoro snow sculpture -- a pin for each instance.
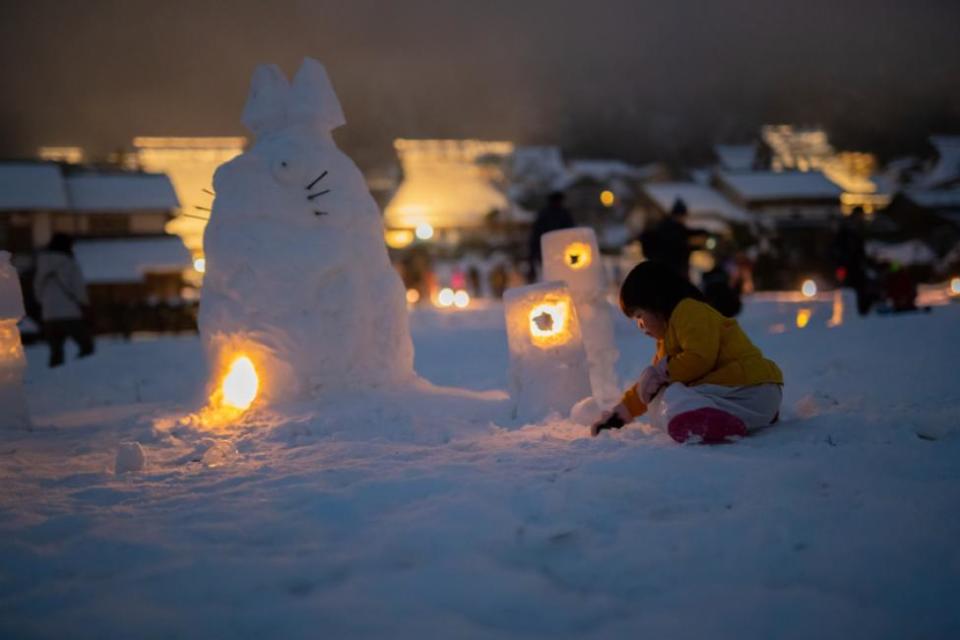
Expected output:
(297, 274)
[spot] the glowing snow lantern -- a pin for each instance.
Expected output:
(13, 404)
(461, 299)
(577, 255)
(200, 265)
(570, 255)
(241, 384)
(548, 366)
(413, 296)
(955, 286)
(548, 323)
(808, 288)
(445, 297)
(607, 198)
(803, 317)
(398, 238)
(424, 231)
(573, 257)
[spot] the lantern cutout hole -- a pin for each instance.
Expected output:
(549, 323)
(241, 384)
(577, 255)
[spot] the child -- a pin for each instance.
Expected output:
(707, 380)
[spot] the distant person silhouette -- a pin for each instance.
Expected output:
(62, 293)
(552, 217)
(668, 241)
(851, 258)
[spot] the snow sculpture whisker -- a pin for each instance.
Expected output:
(190, 215)
(318, 194)
(320, 213)
(318, 179)
(208, 191)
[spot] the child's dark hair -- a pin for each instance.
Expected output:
(655, 287)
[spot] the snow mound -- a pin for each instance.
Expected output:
(130, 458)
(297, 273)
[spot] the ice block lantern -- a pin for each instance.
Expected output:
(548, 367)
(573, 257)
(13, 403)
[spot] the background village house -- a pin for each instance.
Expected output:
(133, 267)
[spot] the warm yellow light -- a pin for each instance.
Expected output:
(461, 299)
(548, 323)
(607, 198)
(398, 238)
(241, 384)
(955, 286)
(803, 317)
(577, 255)
(200, 265)
(809, 288)
(446, 297)
(424, 231)
(413, 296)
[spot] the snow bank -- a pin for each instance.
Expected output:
(839, 522)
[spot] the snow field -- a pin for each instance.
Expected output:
(415, 515)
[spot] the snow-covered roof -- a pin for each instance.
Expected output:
(614, 235)
(793, 147)
(31, 185)
(603, 170)
(120, 191)
(736, 157)
(446, 186)
(786, 185)
(700, 200)
(610, 172)
(130, 259)
(712, 225)
(935, 198)
(600, 169)
(947, 169)
(904, 253)
(48, 185)
(538, 161)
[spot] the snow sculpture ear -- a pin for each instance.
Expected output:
(313, 100)
(268, 101)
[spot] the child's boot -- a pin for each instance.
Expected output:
(710, 425)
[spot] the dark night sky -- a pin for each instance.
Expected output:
(635, 78)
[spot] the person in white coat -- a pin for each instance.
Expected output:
(62, 293)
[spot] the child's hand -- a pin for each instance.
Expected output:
(651, 380)
(613, 419)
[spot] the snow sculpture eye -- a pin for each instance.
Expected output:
(289, 166)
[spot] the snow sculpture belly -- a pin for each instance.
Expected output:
(296, 269)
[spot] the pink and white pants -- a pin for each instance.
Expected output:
(714, 413)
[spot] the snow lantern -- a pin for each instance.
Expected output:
(13, 404)
(573, 257)
(548, 367)
(244, 373)
(299, 299)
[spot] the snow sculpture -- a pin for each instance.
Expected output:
(572, 256)
(130, 458)
(13, 403)
(299, 296)
(548, 369)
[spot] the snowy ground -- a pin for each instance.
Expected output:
(419, 517)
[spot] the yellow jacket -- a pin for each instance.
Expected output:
(703, 346)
